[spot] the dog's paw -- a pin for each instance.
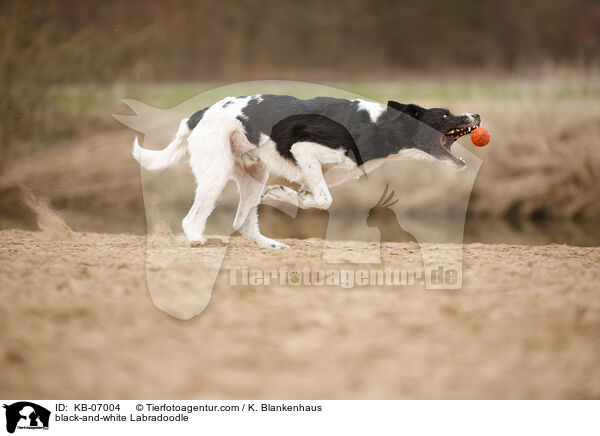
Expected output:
(280, 193)
(272, 244)
(195, 237)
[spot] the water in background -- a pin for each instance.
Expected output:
(313, 224)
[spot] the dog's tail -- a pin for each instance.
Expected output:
(160, 159)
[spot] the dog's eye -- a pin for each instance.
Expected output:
(444, 116)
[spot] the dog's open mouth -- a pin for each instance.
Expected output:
(452, 135)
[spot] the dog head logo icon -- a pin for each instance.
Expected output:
(26, 415)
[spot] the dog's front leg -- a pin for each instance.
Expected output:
(318, 197)
(281, 193)
(303, 199)
(307, 158)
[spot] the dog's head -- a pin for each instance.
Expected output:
(436, 130)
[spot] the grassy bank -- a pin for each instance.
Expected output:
(543, 161)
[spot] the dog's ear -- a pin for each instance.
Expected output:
(396, 105)
(412, 110)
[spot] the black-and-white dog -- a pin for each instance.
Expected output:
(247, 138)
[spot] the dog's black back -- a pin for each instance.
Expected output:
(337, 123)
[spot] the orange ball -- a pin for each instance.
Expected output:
(480, 137)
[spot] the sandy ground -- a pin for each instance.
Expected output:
(76, 321)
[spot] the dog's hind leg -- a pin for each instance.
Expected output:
(250, 230)
(207, 194)
(211, 167)
(251, 177)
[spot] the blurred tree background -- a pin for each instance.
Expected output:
(211, 39)
(68, 42)
(204, 40)
(529, 66)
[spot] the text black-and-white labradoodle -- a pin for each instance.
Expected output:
(248, 138)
